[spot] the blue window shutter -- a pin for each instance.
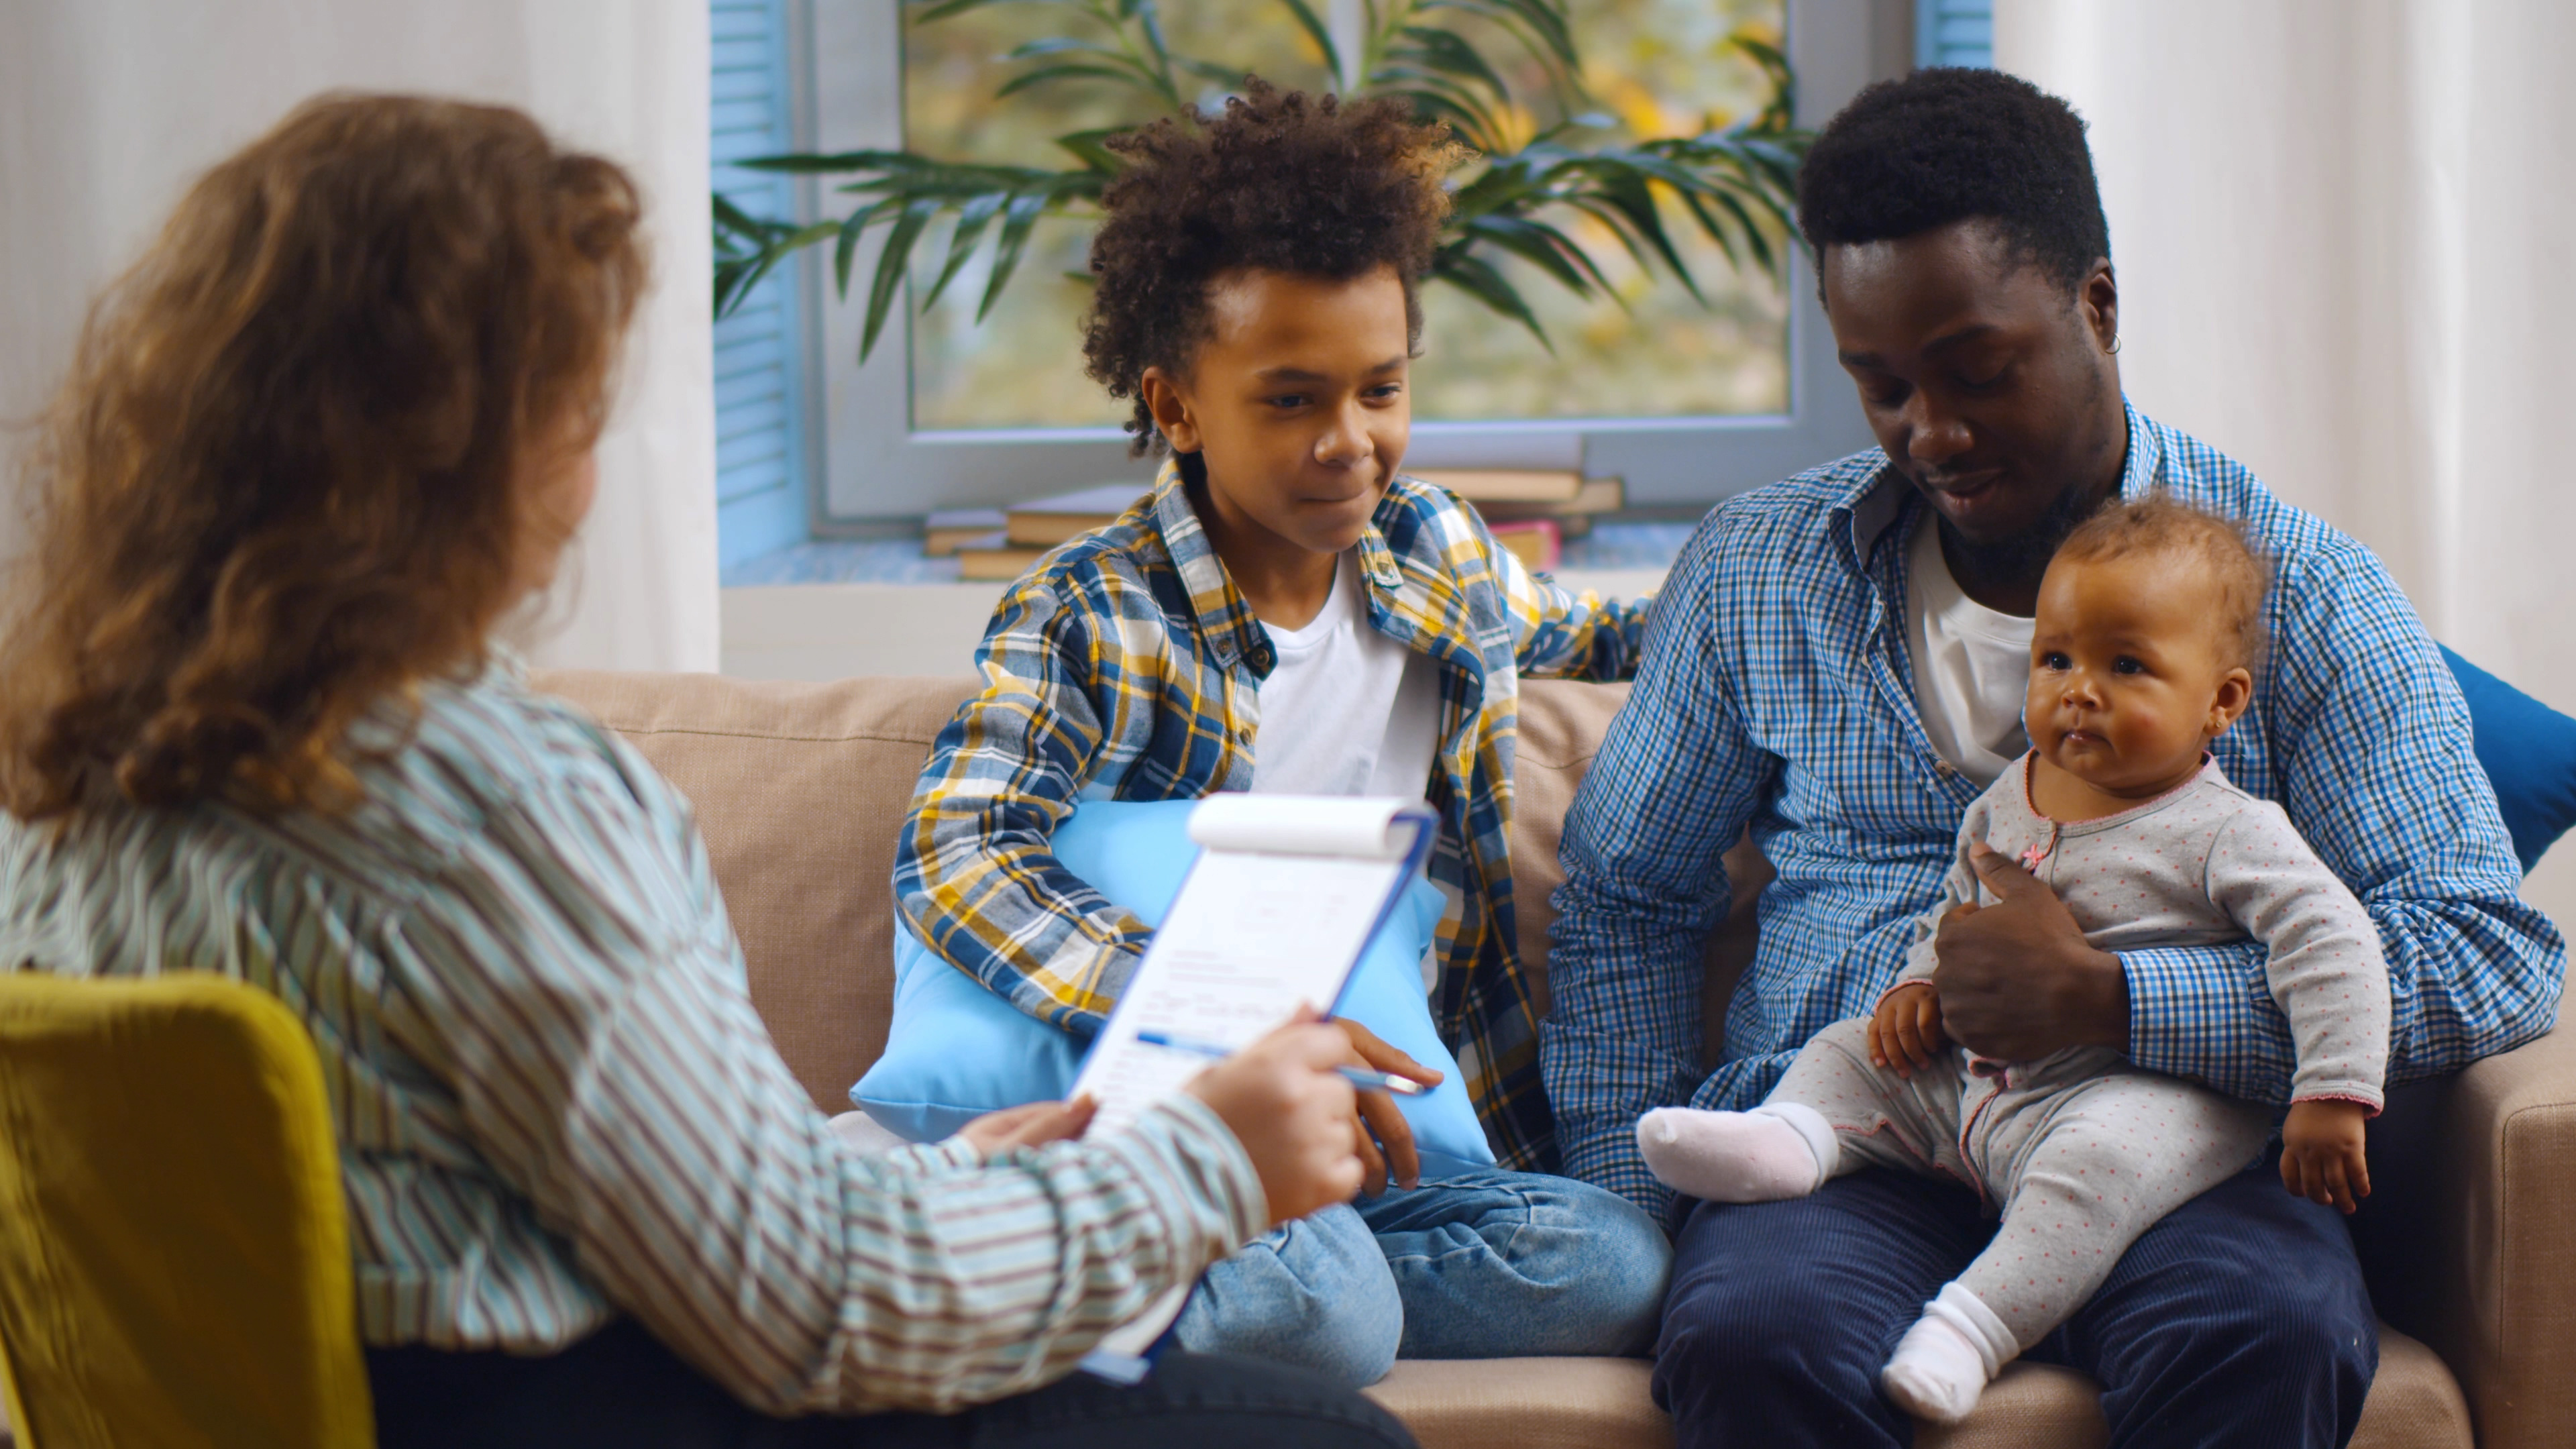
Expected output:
(760, 372)
(1954, 32)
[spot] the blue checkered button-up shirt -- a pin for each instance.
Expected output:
(1776, 693)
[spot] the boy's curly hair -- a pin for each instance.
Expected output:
(1280, 181)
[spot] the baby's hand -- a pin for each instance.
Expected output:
(2321, 1157)
(1905, 1031)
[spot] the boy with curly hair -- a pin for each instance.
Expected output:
(1286, 613)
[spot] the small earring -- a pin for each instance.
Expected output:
(2115, 344)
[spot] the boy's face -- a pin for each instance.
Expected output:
(1297, 402)
(2131, 675)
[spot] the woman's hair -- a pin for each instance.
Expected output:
(1312, 186)
(298, 458)
(2160, 524)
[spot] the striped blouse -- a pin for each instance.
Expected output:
(555, 1103)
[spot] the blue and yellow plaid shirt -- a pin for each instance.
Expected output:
(1126, 666)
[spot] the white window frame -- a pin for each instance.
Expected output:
(880, 475)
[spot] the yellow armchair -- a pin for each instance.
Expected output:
(174, 1259)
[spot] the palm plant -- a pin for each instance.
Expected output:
(1736, 184)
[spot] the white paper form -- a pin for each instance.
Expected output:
(1250, 938)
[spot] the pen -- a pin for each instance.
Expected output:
(1366, 1081)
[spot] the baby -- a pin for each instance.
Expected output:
(2149, 627)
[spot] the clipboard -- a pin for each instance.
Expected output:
(1277, 908)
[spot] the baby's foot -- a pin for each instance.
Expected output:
(1759, 1156)
(1947, 1358)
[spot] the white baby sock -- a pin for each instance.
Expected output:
(1948, 1357)
(1777, 1150)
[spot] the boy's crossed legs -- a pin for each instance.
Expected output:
(1476, 1263)
(2081, 1163)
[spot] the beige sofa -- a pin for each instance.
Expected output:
(799, 789)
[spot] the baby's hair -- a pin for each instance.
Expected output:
(2162, 524)
(1279, 181)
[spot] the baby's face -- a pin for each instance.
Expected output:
(2130, 670)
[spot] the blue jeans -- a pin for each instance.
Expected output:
(1480, 1263)
(2239, 1318)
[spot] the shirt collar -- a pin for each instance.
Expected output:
(1225, 621)
(1875, 503)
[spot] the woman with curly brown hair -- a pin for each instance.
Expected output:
(332, 428)
(1286, 593)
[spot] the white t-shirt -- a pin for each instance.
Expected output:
(1346, 710)
(1971, 664)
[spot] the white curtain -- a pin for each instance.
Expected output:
(108, 108)
(2342, 232)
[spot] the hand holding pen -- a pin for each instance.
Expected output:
(1385, 1138)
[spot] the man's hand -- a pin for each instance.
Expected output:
(2017, 979)
(1377, 1120)
(2321, 1153)
(1034, 1125)
(1905, 1031)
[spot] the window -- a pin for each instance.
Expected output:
(762, 492)
(1954, 32)
(1687, 404)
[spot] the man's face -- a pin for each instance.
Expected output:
(2130, 673)
(1297, 402)
(1988, 384)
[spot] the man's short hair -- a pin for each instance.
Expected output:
(1312, 186)
(1947, 144)
(2161, 525)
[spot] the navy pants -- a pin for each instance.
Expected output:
(2239, 1319)
(621, 1389)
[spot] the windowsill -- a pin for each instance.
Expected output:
(844, 608)
(1610, 546)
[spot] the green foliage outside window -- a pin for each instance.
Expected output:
(1573, 186)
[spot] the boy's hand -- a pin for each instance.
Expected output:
(1905, 1032)
(1377, 1120)
(2321, 1157)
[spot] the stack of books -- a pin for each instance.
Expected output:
(1531, 512)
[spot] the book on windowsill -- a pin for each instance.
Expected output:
(1537, 542)
(1046, 522)
(1482, 486)
(948, 530)
(1573, 516)
(994, 559)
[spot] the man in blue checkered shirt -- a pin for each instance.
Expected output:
(1838, 664)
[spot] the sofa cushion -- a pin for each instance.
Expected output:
(798, 789)
(1562, 722)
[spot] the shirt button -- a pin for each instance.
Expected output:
(1944, 769)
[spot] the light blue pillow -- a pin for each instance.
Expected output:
(956, 1051)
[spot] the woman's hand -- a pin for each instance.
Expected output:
(1292, 1112)
(1034, 1125)
(1905, 1031)
(2321, 1153)
(1377, 1120)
